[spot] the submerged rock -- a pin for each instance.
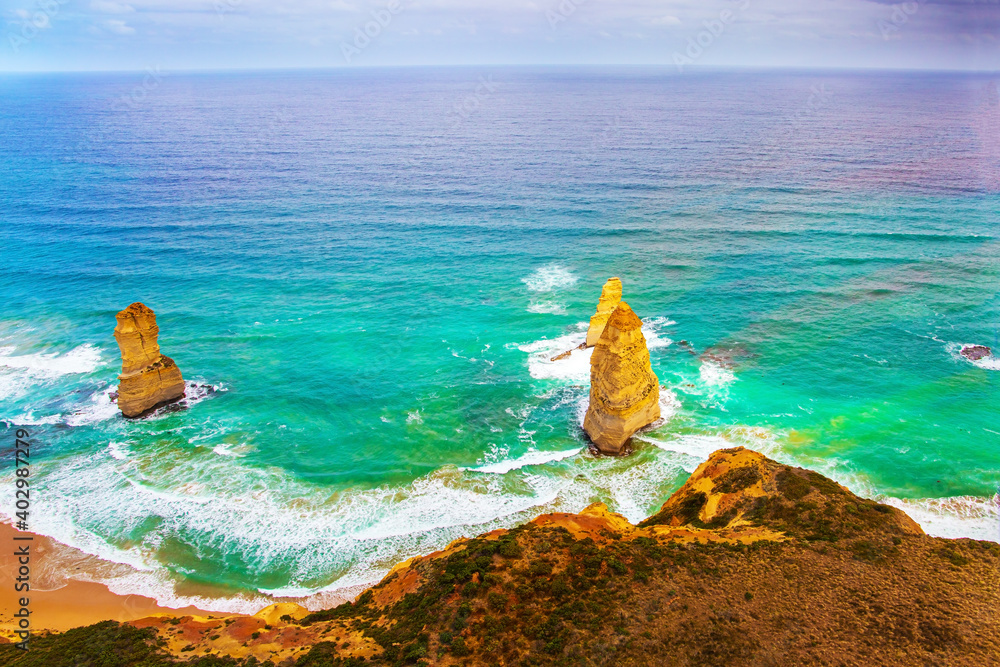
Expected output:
(568, 353)
(611, 296)
(976, 352)
(624, 391)
(148, 378)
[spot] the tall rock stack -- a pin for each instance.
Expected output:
(624, 391)
(148, 378)
(611, 296)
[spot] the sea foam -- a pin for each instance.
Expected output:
(550, 278)
(532, 458)
(963, 516)
(20, 373)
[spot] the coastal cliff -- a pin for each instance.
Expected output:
(751, 562)
(624, 391)
(148, 378)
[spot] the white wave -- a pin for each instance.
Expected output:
(118, 450)
(29, 419)
(101, 407)
(695, 448)
(670, 405)
(414, 417)
(82, 359)
(546, 308)
(963, 516)
(716, 375)
(651, 332)
(550, 278)
(20, 373)
(533, 458)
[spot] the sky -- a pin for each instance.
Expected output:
(70, 35)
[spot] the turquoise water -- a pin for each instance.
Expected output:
(373, 284)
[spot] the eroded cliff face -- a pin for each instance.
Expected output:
(148, 378)
(611, 296)
(624, 391)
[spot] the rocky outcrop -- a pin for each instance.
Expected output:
(611, 296)
(148, 378)
(739, 488)
(976, 352)
(624, 391)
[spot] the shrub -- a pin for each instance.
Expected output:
(496, 601)
(736, 480)
(509, 548)
(459, 648)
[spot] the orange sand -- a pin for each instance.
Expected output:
(75, 604)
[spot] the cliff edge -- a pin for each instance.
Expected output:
(751, 562)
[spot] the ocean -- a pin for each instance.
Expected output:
(363, 275)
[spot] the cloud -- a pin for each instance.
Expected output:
(108, 7)
(665, 20)
(119, 27)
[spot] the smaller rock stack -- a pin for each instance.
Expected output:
(611, 296)
(624, 391)
(148, 378)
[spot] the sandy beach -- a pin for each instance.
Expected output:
(59, 603)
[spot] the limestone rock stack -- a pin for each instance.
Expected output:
(611, 296)
(148, 378)
(624, 391)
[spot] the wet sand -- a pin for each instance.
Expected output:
(65, 603)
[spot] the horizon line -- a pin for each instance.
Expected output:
(664, 66)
